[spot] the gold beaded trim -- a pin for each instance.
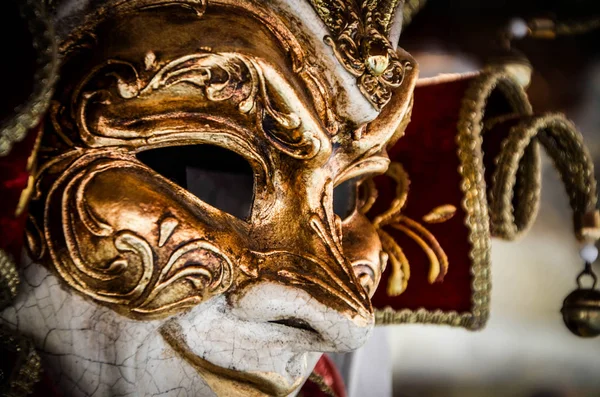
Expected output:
(469, 140)
(519, 160)
(410, 9)
(28, 371)
(29, 114)
(422, 316)
(320, 382)
(9, 279)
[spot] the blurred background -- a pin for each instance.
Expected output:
(525, 350)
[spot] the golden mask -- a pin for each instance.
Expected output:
(156, 95)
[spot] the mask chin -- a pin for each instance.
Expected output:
(258, 365)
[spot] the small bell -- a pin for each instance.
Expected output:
(581, 308)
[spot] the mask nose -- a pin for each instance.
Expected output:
(317, 295)
(320, 327)
(302, 280)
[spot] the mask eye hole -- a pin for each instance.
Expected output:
(344, 198)
(217, 176)
(366, 277)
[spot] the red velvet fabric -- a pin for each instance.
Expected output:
(428, 152)
(325, 369)
(13, 179)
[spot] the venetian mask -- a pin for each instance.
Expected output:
(198, 189)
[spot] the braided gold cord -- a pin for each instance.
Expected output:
(324, 387)
(469, 139)
(518, 160)
(529, 192)
(564, 145)
(410, 9)
(501, 216)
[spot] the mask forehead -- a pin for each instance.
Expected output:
(147, 36)
(162, 82)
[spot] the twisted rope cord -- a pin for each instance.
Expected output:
(519, 160)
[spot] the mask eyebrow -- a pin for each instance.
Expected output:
(235, 139)
(372, 162)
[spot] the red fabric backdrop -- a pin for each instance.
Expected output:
(428, 152)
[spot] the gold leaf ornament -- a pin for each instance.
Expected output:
(392, 217)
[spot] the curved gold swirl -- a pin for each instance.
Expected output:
(118, 266)
(328, 228)
(440, 214)
(392, 217)
(230, 78)
(199, 262)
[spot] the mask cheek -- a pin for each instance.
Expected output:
(128, 239)
(363, 249)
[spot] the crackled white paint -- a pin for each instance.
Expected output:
(90, 350)
(335, 331)
(213, 332)
(241, 337)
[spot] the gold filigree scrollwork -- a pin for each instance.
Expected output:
(328, 227)
(359, 40)
(124, 263)
(394, 218)
(332, 274)
(194, 262)
(229, 78)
